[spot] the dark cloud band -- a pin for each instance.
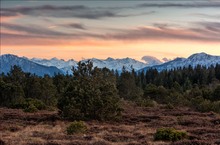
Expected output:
(77, 11)
(183, 4)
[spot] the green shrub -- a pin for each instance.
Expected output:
(169, 134)
(30, 105)
(216, 106)
(31, 108)
(204, 105)
(37, 103)
(169, 106)
(146, 102)
(76, 127)
(28, 102)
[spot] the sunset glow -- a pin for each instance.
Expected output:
(118, 29)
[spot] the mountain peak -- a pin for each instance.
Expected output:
(199, 56)
(109, 59)
(202, 59)
(9, 55)
(151, 60)
(27, 65)
(55, 59)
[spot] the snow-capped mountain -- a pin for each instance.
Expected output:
(8, 60)
(151, 61)
(64, 66)
(118, 64)
(54, 65)
(111, 63)
(193, 60)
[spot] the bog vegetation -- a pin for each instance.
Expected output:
(169, 134)
(94, 93)
(76, 127)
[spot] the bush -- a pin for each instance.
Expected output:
(76, 127)
(169, 106)
(169, 134)
(146, 102)
(30, 105)
(204, 105)
(216, 106)
(31, 108)
(37, 103)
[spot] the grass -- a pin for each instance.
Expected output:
(137, 126)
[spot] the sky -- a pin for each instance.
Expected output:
(115, 28)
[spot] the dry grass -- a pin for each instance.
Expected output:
(136, 127)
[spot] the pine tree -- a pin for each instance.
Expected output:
(92, 94)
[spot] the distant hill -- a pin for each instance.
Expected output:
(202, 59)
(8, 60)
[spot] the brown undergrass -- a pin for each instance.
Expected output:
(137, 127)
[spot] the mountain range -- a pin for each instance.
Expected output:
(8, 60)
(53, 66)
(202, 59)
(112, 64)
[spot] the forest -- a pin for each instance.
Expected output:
(94, 93)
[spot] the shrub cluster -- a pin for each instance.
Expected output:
(76, 127)
(30, 105)
(146, 102)
(205, 105)
(169, 134)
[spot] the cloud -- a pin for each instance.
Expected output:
(77, 11)
(151, 33)
(69, 25)
(28, 39)
(160, 25)
(201, 32)
(138, 14)
(35, 31)
(211, 26)
(8, 14)
(217, 16)
(32, 30)
(75, 26)
(205, 4)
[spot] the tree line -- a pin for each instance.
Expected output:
(96, 93)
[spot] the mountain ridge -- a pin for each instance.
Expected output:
(193, 60)
(111, 63)
(9, 60)
(54, 65)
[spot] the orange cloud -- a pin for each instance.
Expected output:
(9, 18)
